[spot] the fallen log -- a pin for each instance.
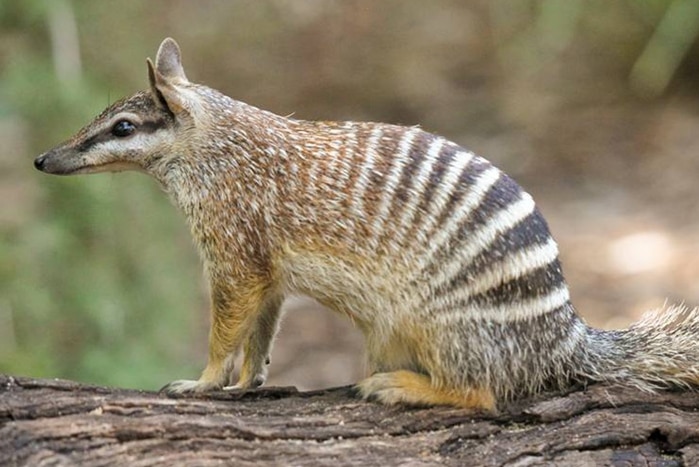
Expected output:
(58, 422)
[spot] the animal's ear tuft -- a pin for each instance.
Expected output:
(168, 61)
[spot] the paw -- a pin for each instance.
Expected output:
(187, 386)
(382, 387)
(255, 382)
(407, 387)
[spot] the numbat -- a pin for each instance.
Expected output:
(442, 260)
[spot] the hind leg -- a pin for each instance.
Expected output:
(407, 387)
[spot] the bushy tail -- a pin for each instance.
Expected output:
(660, 351)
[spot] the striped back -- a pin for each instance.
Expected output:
(480, 242)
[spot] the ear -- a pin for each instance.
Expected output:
(157, 95)
(168, 62)
(165, 76)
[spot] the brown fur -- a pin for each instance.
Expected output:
(407, 387)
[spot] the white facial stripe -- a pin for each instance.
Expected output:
(136, 142)
(131, 117)
(116, 154)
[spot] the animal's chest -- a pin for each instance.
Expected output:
(229, 233)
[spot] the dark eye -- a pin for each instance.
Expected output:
(123, 128)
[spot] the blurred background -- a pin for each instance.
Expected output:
(593, 106)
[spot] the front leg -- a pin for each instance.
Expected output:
(236, 306)
(258, 345)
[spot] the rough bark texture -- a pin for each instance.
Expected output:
(55, 422)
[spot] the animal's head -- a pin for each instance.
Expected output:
(136, 133)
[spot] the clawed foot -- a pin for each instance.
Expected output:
(252, 375)
(253, 383)
(187, 386)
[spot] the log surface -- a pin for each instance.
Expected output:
(57, 422)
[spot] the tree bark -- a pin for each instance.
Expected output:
(57, 422)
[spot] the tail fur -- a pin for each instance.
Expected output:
(661, 351)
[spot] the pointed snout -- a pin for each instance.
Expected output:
(47, 163)
(40, 161)
(66, 160)
(57, 161)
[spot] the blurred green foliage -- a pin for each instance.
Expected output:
(92, 279)
(98, 278)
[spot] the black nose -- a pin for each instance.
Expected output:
(40, 161)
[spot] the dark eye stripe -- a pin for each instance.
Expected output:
(148, 126)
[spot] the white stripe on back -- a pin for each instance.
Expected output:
(466, 205)
(445, 190)
(513, 311)
(479, 240)
(362, 182)
(513, 266)
(393, 178)
(419, 183)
